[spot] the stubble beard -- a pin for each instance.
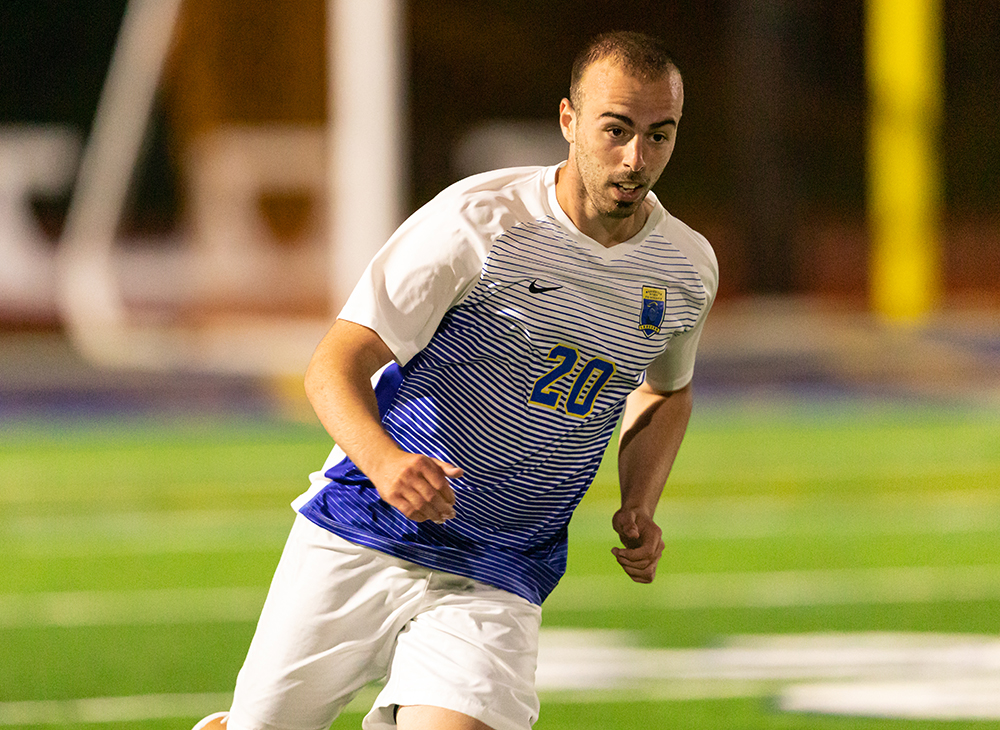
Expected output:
(620, 209)
(597, 189)
(624, 210)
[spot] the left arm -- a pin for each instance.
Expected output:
(652, 430)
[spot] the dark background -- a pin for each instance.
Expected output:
(770, 162)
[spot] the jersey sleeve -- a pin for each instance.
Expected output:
(425, 268)
(674, 368)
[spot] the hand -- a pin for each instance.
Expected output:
(418, 487)
(643, 541)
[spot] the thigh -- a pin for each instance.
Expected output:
(327, 628)
(473, 650)
(421, 717)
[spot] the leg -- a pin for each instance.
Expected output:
(424, 717)
(327, 628)
(466, 661)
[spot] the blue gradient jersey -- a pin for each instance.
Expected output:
(516, 339)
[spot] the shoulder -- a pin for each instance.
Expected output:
(495, 198)
(695, 247)
(506, 181)
(463, 220)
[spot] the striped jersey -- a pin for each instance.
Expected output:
(517, 339)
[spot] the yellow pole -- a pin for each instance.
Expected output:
(905, 86)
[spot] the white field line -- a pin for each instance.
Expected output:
(587, 659)
(681, 591)
(911, 676)
(968, 698)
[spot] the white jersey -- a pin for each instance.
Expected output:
(517, 339)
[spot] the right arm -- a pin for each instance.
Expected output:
(338, 385)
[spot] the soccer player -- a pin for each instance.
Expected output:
(471, 385)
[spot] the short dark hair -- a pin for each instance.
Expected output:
(641, 55)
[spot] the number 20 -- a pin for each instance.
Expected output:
(586, 385)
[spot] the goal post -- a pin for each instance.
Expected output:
(360, 184)
(904, 61)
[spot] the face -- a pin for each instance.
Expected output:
(620, 139)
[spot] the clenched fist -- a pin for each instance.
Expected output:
(418, 487)
(643, 541)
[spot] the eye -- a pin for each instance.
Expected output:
(660, 137)
(616, 132)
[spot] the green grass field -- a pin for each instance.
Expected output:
(137, 553)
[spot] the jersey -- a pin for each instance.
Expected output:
(516, 340)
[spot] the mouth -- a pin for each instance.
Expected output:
(629, 191)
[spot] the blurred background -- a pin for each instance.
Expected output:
(771, 163)
(197, 186)
(190, 188)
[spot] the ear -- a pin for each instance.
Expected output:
(567, 120)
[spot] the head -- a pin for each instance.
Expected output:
(640, 55)
(620, 119)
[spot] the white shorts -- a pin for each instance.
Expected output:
(339, 616)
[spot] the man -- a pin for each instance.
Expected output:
(506, 325)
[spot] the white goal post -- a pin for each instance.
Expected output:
(364, 59)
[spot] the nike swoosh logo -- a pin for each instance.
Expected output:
(535, 289)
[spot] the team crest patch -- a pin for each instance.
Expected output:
(653, 302)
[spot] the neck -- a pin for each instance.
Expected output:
(605, 229)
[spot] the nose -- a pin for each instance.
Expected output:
(634, 158)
